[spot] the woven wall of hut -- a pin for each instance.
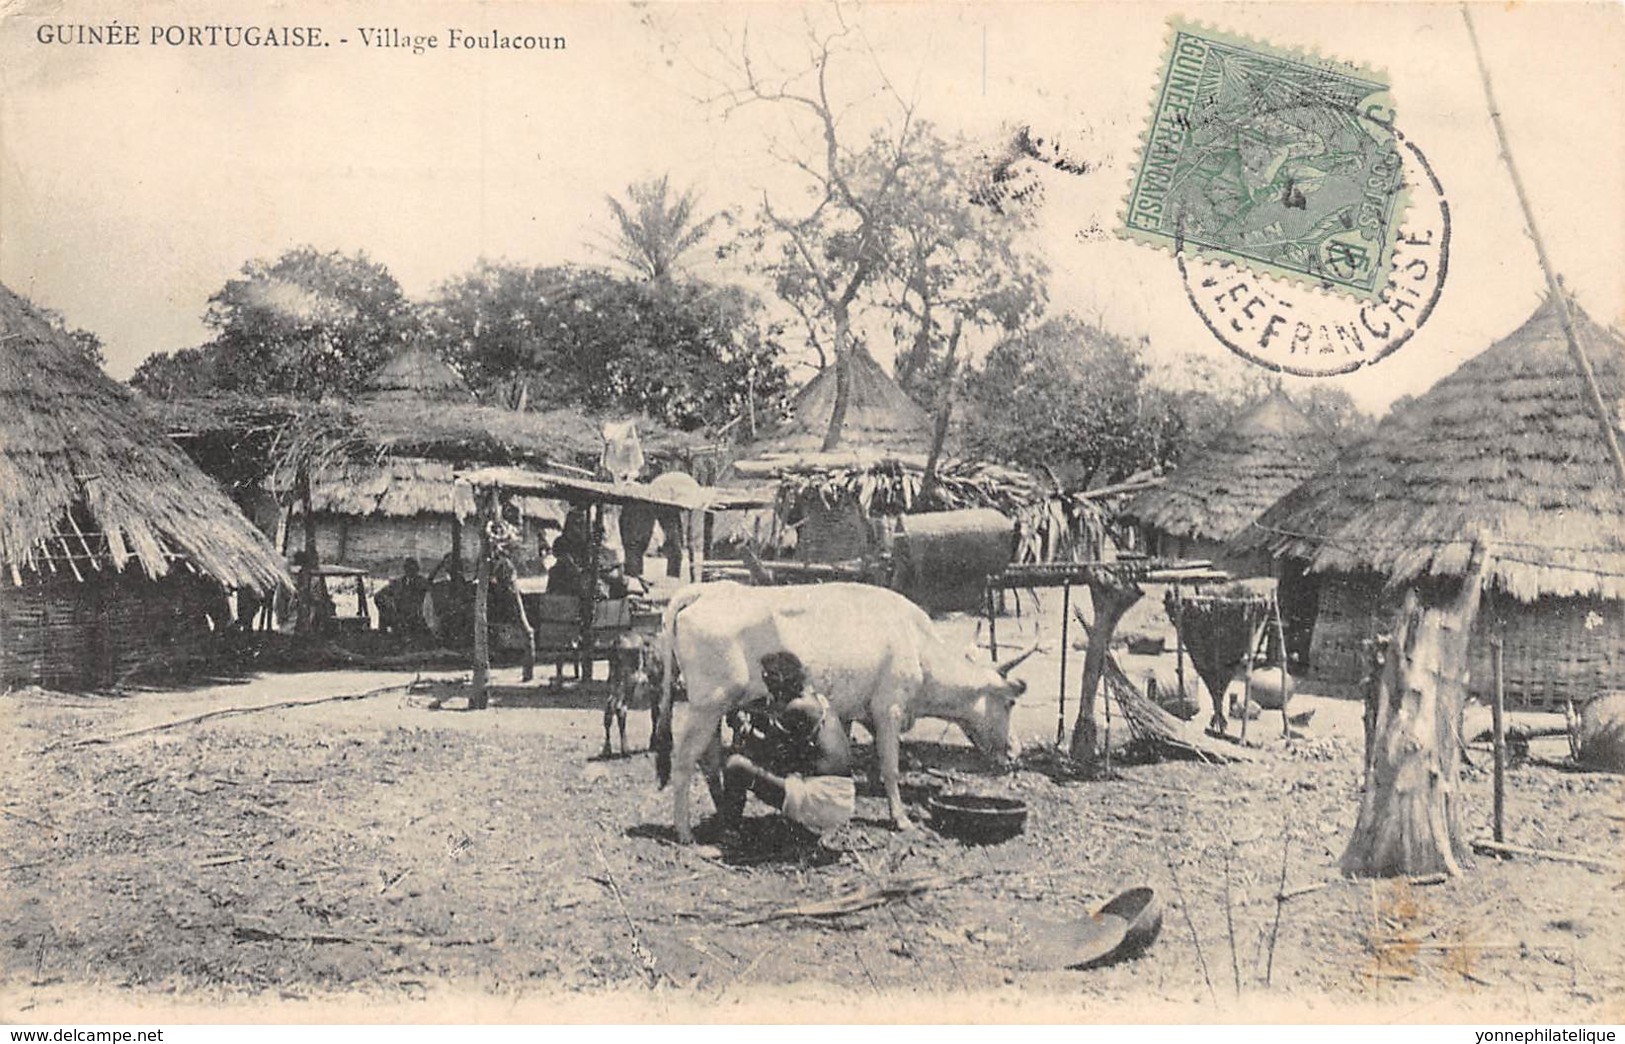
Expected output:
(837, 534)
(62, 634)
(1554, 649)
(1161, 544)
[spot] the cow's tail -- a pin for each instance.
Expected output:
(662, 741)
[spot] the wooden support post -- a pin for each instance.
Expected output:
(1179, 641)
(306, 619)
(589, 600)
(1253, 634)
(1498, 724)
(1286, 682)
(1066, 619)
(993, 622)
(1111, 601)
(479, 694)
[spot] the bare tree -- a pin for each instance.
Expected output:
(831, 250)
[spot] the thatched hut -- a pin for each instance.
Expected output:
(113, 544)
(1505, 450)
(883, 429)
(1211, 498)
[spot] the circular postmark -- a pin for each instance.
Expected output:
(1310, 331)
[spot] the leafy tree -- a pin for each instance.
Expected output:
(1072, 399)
(308, 325)
(956, 263)
(686, 353)
(656, 226)
(184, 374)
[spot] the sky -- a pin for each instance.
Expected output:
(136, 180)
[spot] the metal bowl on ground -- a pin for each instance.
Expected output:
(1123, 928)
(1142, 911)
(978, 819)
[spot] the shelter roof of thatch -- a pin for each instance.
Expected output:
(1263, 456)
(879, 415)
(404, 487)
(461, 433)
(89, 483)
(1505, 449)
(416, 373)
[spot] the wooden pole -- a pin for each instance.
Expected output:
(1066, 620)
(1499, 725)
(992, 623)
(1179, 640)
(479, 697)
(1280, 641)
(1247, 669)
(1599, 410)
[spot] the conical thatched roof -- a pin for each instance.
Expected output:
(418, 375)
(879, 415)
(1232, 480)
(89, 482)
(1507, 448)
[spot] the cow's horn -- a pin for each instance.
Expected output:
(1015, 661)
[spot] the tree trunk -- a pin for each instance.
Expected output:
(1111, 602)
(843, 382)
(945, 407)
(1407, 822)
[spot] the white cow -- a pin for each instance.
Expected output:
(872, 652)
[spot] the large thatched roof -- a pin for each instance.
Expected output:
(89, 483)
(1227, 484)
(1507, 448)
(880, 417)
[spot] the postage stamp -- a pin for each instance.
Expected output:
(1286, 326)
(1284, 163)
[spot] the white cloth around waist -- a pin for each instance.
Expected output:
(820, 803)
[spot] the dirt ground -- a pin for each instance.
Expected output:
(385, 859)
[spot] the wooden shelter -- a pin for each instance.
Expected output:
(1506, 451)
(1212, 498)
(113, 545)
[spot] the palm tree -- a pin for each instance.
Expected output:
(655, 227)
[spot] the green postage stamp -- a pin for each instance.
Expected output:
(1283, 162)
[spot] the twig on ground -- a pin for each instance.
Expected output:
(393, 881)
(1280, 902)
(31, 822)
(220, 861)
(1500, 848)
(1196, 940)
(862, 899)
(249, 933)
(1230, 922)
(867, 974)
(222, 713)
(1284, 895)
(638, 948)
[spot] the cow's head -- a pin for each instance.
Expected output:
(996, 693)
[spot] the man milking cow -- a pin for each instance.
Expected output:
(791, 750)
